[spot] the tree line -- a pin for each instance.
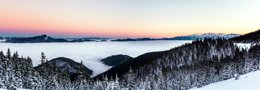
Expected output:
(192, 65)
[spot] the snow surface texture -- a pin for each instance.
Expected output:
(248, 81)
(89, 52)
(245, 46)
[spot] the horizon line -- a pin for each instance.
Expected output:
(75, 36)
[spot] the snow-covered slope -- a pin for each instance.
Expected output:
(248, 81)
(245, 46)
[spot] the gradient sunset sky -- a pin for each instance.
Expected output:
(127, 18)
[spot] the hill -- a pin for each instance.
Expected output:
(63, 64)
(115, 60)
(192, 65)
(253, 37)
(34, 39)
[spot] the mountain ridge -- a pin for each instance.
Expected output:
(45, 38)
(185, 37)
(248, 38)
(34, 39)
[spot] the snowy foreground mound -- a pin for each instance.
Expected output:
(248, 81)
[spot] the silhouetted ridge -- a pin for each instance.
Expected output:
(133, 63)
(35, 39)
(66, 65)
(253, 37)
(115, 60)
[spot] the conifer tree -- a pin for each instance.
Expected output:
(43, 58)
(8, 54)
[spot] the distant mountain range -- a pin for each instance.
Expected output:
(46, 38)
(187, 37)
(87, 39)
(35, 39)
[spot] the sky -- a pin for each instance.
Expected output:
(127, 18)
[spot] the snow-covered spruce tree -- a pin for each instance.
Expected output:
(130, 80)
(2, 70)
(15, 71)
(43, 58)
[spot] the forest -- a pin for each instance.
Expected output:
(196, 64)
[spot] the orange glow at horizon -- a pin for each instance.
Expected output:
(121, 19)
